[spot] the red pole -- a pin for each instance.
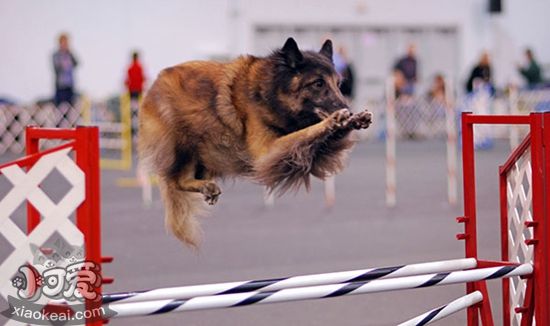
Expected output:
(468, 174)
(483, 309)
(31, 147)
(541, 194)
(544, 305)
(88, 214)
(468, 162)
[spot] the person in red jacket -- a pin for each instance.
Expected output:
(135, 77)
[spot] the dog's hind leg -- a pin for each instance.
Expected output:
(208, 188)
(198, 179)
(179, 190)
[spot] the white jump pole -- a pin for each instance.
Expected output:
(186, 292)
(269, 198)
(514, 129)
(330, 191)
(315, 292)
(391, 198)
(144, 180)
(452, 184)
(446, 310)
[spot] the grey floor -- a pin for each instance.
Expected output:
(245, 240)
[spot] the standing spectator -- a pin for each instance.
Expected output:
(480, 74)
(480, 89)
(407, 111)
(64, 64)
(437, 90)
(407, 67)
(345, 69)
(135, 78)
(437, 103)
(531, 72)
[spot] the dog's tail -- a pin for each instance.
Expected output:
(181, 210)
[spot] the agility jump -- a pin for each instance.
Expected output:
(525, 245)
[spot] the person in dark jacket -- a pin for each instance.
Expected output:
(407, 67)
(64, 64)
(531, 72)
(480, 73)
(345, 69)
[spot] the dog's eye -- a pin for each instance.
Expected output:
(319, 83)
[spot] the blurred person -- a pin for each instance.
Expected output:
(408, 67)
(531, 72)
(399, 82)
(481, 74)
(64, 64)
(406, 110)
(480, 88)
(345, 69)
(135, 78)
(437, 89)
(437, 101)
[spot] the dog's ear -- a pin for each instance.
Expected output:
(326, 49)
(292, 54)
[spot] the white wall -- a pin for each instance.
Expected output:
(104, 32)
(523, 23)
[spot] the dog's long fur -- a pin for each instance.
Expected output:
(276, 119)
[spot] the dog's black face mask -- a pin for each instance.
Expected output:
(307, 84)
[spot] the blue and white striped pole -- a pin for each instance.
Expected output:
(186, 292)
(446, 310)
(147, 308)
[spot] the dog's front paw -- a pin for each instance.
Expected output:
(211, 193)
(361, 120)
(339, 119)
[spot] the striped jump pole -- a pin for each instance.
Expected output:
(186, 292)
(446, 310)
(147, 308)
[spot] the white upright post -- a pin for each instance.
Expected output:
(452, 184)
(269, 198)
(330, 191)
(514, 129)
(391, 198)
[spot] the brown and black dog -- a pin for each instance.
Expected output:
(276, 120)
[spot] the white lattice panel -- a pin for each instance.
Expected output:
(14, 119)
(420, 118)
(55, 217)
(520, 210)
